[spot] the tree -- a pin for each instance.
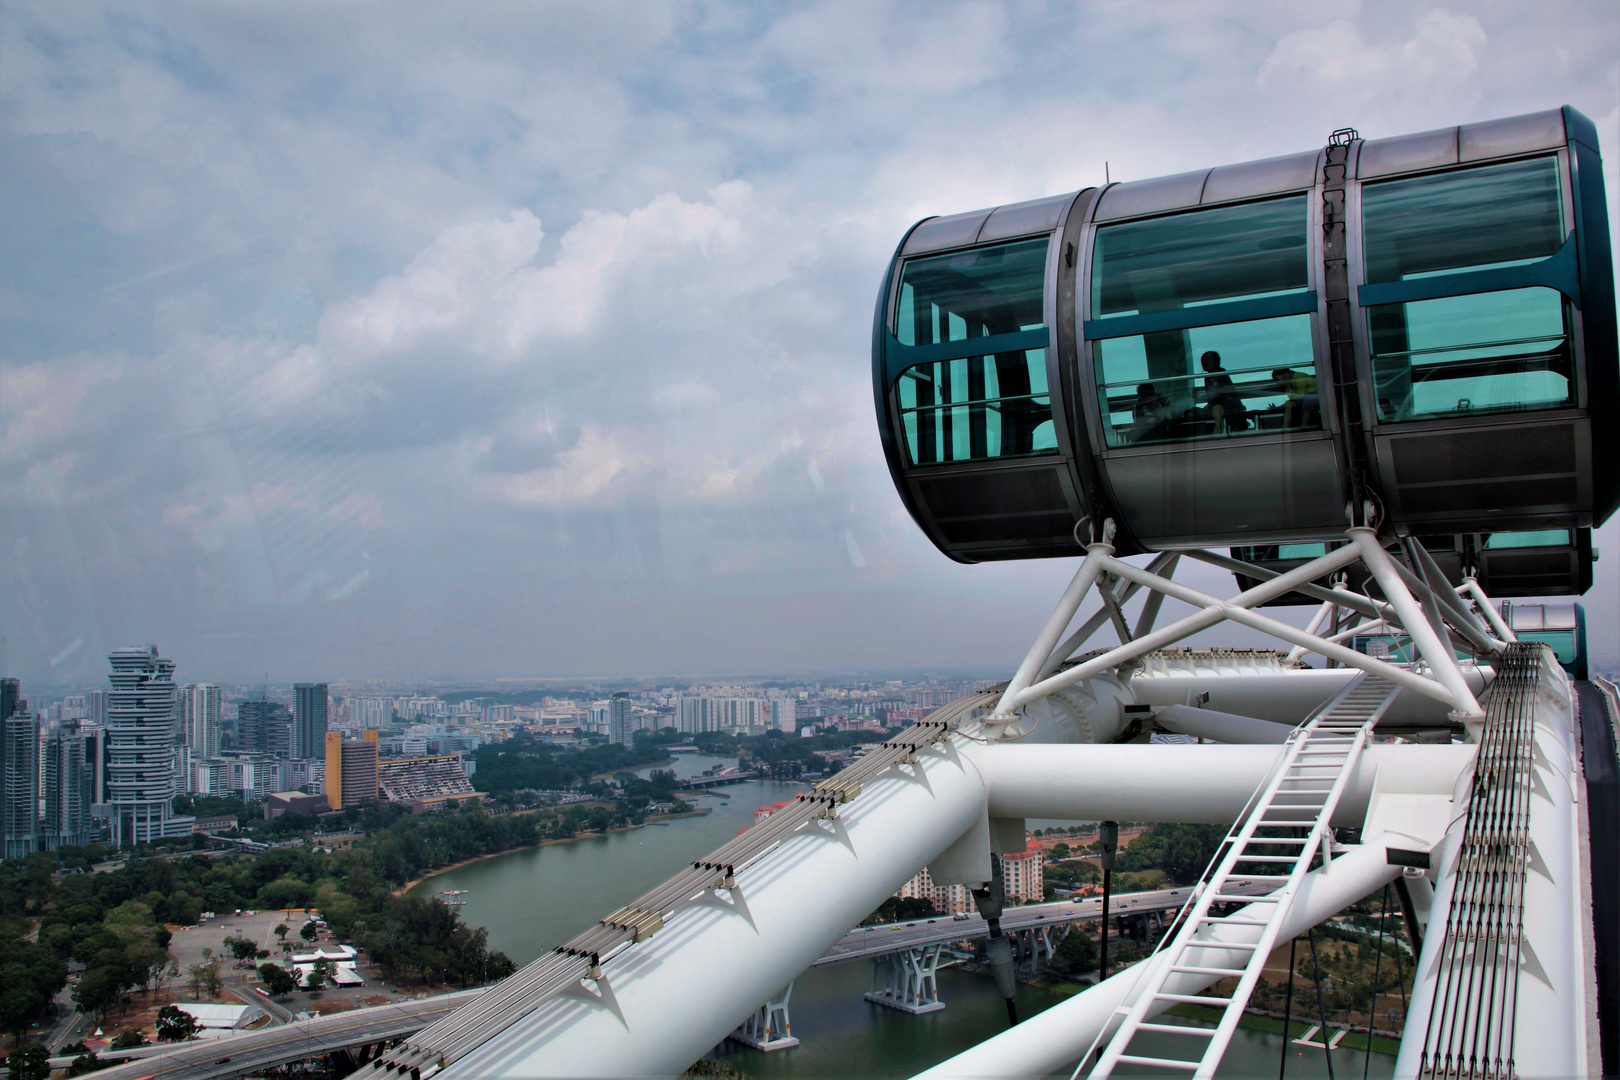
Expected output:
(30, 1061)
(129, 1039)
(277, 979)
(86, 1062)
(242, 948)
(315, 977)
(308, 931)
(282, 931)
(1076, 953)
(97, 989)
(175, 1025)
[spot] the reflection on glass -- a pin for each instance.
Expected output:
(1249, 378)
(1538, 539)
(1270, 553)
(976, 293)
(1469, 219)
(977, 407)
(1185, 260)
(1460, 355)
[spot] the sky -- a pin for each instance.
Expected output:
(397, 341)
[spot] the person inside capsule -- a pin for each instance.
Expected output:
(1226, 409)
(1150, 413)
(1304, 405)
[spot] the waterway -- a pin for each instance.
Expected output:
(535, 899)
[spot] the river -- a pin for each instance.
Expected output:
(535, 899)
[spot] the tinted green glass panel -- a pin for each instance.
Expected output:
(1489, 352)
(1208, 256)
(1155, 387)
(1467, 219)
(977, 408)
(991, 290)
(1562, 642)
(1538, 539)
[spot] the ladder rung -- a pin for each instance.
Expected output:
(1249, 899)
(1279, 839)
(1160, 1063)
(1261, 877)
(1223, 972)
(1269, 858)
(1224, 945)
(1194, 999)
(1177, 1029)
(1229, 920)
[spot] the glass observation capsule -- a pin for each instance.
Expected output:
(1231, 357)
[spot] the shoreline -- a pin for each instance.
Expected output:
(429, 875)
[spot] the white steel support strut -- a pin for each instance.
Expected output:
(1441, 660)
(1096, 553)
(1487, 609)
(1039, 674)
(1237, 610)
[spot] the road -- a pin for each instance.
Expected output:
(864, 941)
(252, 1051)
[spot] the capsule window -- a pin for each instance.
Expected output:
(976, 408)
(1219, 255)
(1478, 353)
(1464, 220)
(1540, 538)
(973, 293)
(1210, 382)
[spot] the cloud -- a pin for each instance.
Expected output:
(1444, 50)
(428, 311)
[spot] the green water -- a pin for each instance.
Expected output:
(535, 899)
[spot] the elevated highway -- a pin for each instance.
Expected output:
(266, 1048)
(868, 941)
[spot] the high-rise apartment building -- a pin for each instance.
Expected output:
(698, 714)
(263, 727)
(784, 714)
(10, 695)
(351, 770)
(141, 754)
(68, 781)
(308, 720)
(199, 719)
(369, 712)
(19, 778)
(621, 721)
(96, 703)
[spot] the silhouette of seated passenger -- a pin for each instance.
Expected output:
(1226, 406)
(1151, 411)
(1303, 409)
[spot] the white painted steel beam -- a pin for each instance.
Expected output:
(1286, 697)
(1186, 784)
(1054, 1040)
(1220, 726)
(1441, 660)
(666, 1001)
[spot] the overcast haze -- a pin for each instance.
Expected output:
(351, 340)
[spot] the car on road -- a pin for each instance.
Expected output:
(960, 917)
(221, 1061)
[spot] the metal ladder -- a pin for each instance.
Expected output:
(1301, 795)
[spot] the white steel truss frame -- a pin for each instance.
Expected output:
(1419, 604)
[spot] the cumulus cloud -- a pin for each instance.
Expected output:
(421, 310)
(1444, 49)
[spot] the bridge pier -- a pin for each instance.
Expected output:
(1032, 947)
(906, 980)
(769, 1027)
